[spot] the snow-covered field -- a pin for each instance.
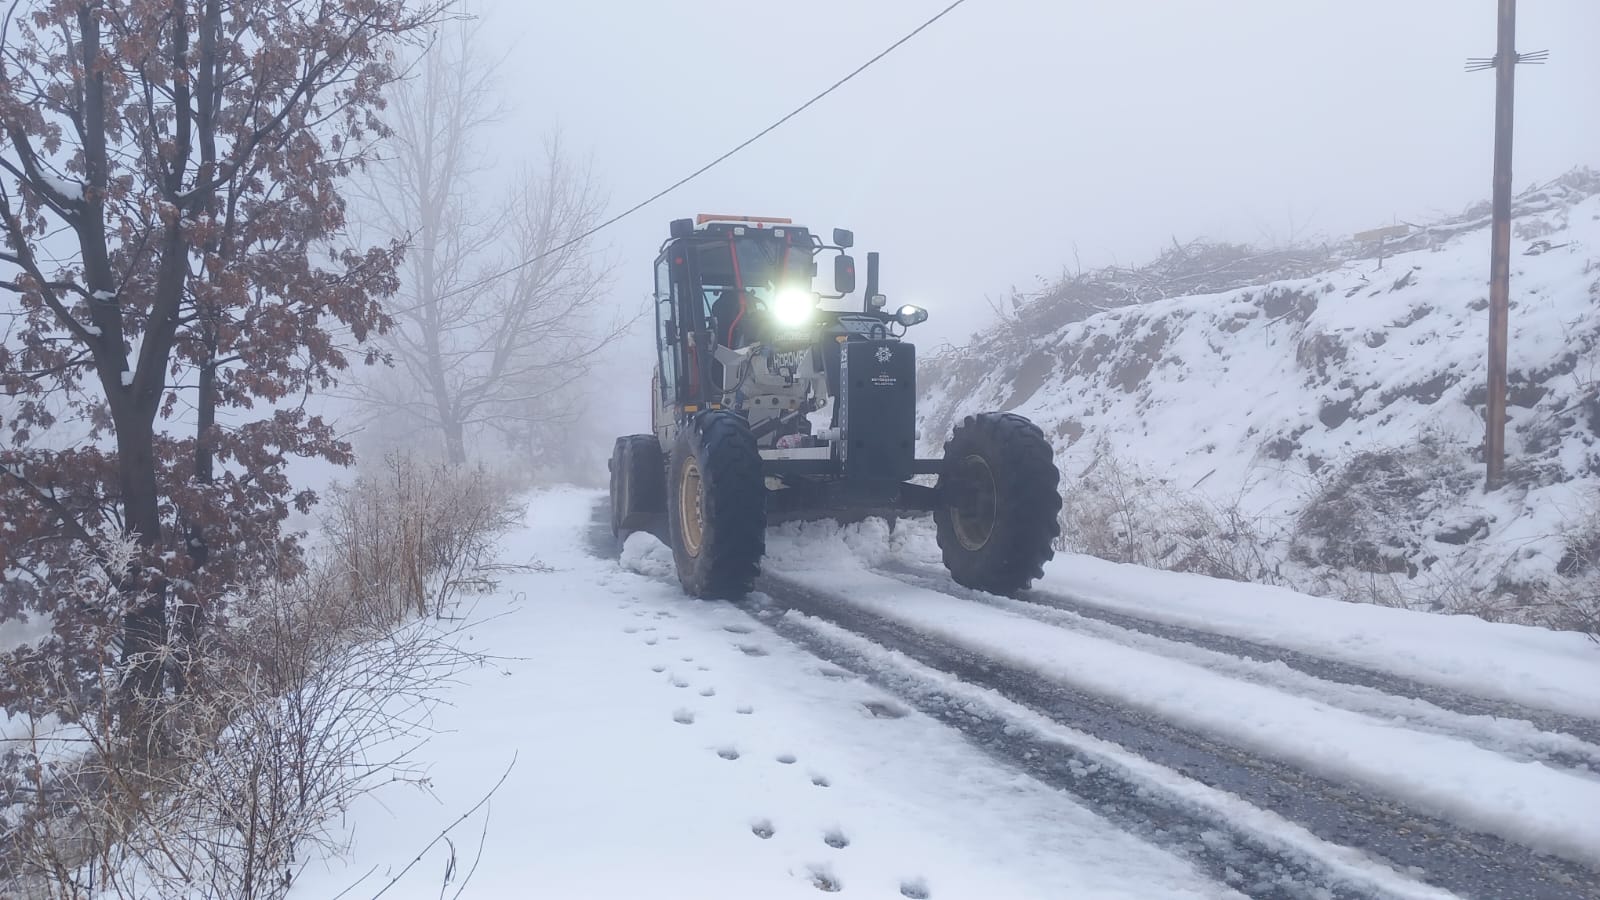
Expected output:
(656, 746)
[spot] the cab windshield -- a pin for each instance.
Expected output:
(759, 265)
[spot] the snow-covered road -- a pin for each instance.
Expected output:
(864, 726)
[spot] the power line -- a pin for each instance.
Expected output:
(473, 285)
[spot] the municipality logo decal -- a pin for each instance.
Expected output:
(884, 354)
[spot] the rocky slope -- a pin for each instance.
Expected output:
(1314, 416)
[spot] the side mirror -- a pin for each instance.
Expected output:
(844, 237)
(909, 315)
(681, 228)
(844, 274)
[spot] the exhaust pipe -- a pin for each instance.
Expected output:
(872, 282)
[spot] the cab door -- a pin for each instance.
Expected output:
(664, 386)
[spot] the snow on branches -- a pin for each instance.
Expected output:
(175, 253)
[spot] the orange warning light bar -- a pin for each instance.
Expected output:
(703, 218)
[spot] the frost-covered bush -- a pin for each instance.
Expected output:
(301, 695)
(1115, 511)
(415, 532)
(301, 706)
(1574, 595)
(1379, 511)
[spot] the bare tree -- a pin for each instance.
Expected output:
(478, 351)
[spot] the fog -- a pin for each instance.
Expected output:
(1013, 139)
(191, 270)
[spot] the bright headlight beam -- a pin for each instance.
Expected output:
(793, 308)
(910, 315)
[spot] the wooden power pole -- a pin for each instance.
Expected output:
(1505, 69)
(1504, 64)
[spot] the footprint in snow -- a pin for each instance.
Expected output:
(672, 637)
(835, 838)
(658, 667)
(835, 672)
(728, 752)
(736, 629)
(915, 888)
(786, 758)
(744, 709)
(823, 879)
(752, 650)
(881, 709)
(708, 691)
(683, 717)
(679, 682)
(820, 780)
(688, 659)
(650, 641)
(631, 629)
(762, 828)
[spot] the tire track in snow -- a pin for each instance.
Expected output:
(1442, 853)
(1245, 848)
(1218, 846)
(1509, 732)
(1457, 701)
(1220, 849)
(1347, 836)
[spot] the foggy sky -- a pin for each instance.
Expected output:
(1013, 139)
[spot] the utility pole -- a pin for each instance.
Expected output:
(1505, 73)
(1504, 64)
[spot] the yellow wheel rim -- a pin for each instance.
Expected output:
(691, 507)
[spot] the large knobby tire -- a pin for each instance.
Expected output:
(998, 508)
(717, 506)
(638, 484)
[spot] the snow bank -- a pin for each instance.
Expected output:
(1531, 666)
(1526, 665)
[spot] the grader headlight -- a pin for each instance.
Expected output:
(794, 308)
(910, 315)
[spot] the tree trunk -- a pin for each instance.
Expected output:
(455, 441)
(187, 613)
(144, 625)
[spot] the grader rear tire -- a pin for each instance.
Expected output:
(638, 484)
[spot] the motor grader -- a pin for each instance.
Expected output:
(770, 405)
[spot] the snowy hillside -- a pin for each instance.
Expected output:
(1324, 430)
